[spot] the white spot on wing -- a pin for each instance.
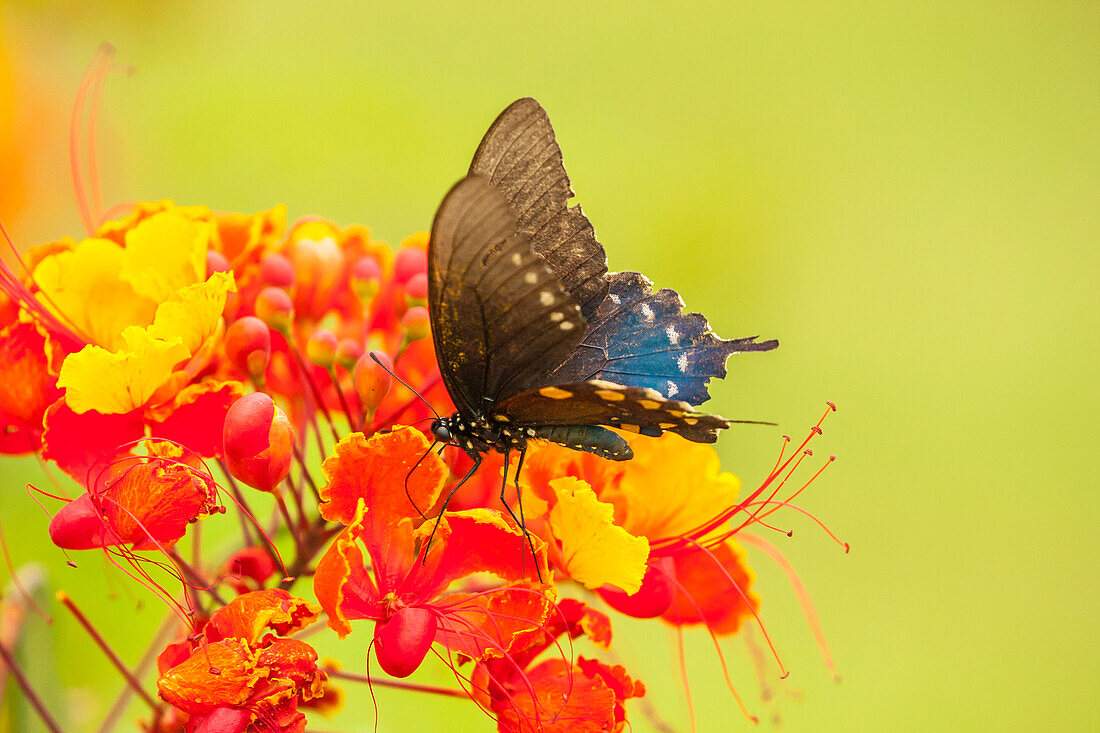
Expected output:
(557, 316)
(673, 337)
(517, 259)
(566, 325)
(672, 389)
(546, 297)
(682, 362)
(530, 278)
(615, 299)
(647, 312)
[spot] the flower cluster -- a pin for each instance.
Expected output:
(175, 337)
(180, 364)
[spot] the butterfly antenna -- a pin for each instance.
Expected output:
(399, 379)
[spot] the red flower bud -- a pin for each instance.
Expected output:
(416, 289)
(652, 599)
(366, 278)
(402, 642)
(258, 441)
(409, 261)
(348, 352)
(275, 308)
(415, 323)
(371, 380)
(321, 348)
(215, 262)
(277, 271)
(248, 345)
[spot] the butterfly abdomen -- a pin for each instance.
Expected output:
(587, 438)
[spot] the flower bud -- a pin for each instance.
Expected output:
(276, 270)
(408, 262)
(371, 380)
(321, 348)
(415, 323)
(416, 290)
(258, 441)
(248, 345)
(215, 262)
(348, 352)
(366, 278)
(402, 642)
(275, 308)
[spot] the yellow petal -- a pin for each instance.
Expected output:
(594, 550)
(194, 313)
(165, 253)
(81, 286)
(118, 382)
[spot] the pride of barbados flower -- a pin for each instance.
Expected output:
(182, 365)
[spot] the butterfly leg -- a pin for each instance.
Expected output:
(409, 476)
(519, 502)
(446, 502)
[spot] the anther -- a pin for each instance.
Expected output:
(831, 405)
(816, 429)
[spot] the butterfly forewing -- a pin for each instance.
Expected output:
(520, 156)
(499, 315)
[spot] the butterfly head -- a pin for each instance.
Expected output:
(441, 432)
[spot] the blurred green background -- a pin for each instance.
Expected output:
(906, 195)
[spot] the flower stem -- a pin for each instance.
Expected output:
(64, 598)
(28, 691)
(431, 689)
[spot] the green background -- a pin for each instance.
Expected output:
(907, 195)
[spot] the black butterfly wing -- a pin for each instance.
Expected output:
(520, 155)
(642, 338)
(499, 316)
(596, 402)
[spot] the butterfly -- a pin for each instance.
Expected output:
(535, 339)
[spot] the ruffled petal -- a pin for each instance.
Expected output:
(77, 441)
(164, 253)
(592, 549)
(251, 615)
(375, 469)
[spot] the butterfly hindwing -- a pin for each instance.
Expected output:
(520, 156)
(641, 338)
(498, 313)
(596, 402)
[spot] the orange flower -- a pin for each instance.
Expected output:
(555, 695)
(239, 676)
(406, 589)
(145, 501)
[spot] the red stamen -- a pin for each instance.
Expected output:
(809, 612)
(102, 59)
(681, 656)
(93, 119)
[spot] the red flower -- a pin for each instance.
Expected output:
(556, 695)
(239, 676)
(406, 590)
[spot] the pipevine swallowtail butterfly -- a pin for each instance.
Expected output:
(535, 338)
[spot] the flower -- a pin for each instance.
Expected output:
(413, 563)
(557, 695)
(240, 675)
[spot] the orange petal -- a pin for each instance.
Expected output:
(475, 541)
(506, 619)
(593, 550)
(29, 387)
(340, 572)
(218, 674)
(375, 469)
(566, 700)
(251, 615)
(706, 594)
